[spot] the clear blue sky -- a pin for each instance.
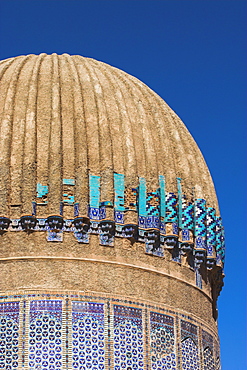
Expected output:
(193, 54)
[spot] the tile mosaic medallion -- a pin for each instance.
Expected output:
(58, 332)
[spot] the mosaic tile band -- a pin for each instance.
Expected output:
(103, 333)
(163, 220)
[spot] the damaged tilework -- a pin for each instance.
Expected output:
(153, 210)
(198, 278)
(162, 342)
(165, 220)
(42, 191)
(130, 199)
(88, 339)
(142, 203)
(119, 191)
(128, 338)
(76, 209)
(9, 335)
(68, 191)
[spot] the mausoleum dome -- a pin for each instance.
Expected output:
(108, 222)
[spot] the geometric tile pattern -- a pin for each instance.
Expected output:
(88, 341)
(198, 278)
(9, 335)
(217, 355)
(189, 339)
(119, 217)
(217, 364)
(45, 335)
(200, 217)
(152, 219)
(187, 215)
(162, 342)
(93, 213)
(211, 228)
(207, 340)
(171, 214)
(189, 330)
(208, 360)
(200, 223)
(171, 208)
(190, 357)
(152, 222)
(128, 338)
(67, 331)
(153, 203)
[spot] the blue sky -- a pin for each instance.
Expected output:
(193, 54)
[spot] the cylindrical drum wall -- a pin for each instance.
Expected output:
(100, 307)
(79, 330)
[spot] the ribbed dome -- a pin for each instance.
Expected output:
(108, 223)
(65, 117)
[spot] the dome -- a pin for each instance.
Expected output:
(65, 117)
(110, 232)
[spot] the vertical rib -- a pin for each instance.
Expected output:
(6, 135)
(124, 140)
(105, 144)
(30, 140)
(149, 135)
(55, 149)
(113, 116)
(80, 140)
(91, 117)
(43, 122)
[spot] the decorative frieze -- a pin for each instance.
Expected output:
(164, 220)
